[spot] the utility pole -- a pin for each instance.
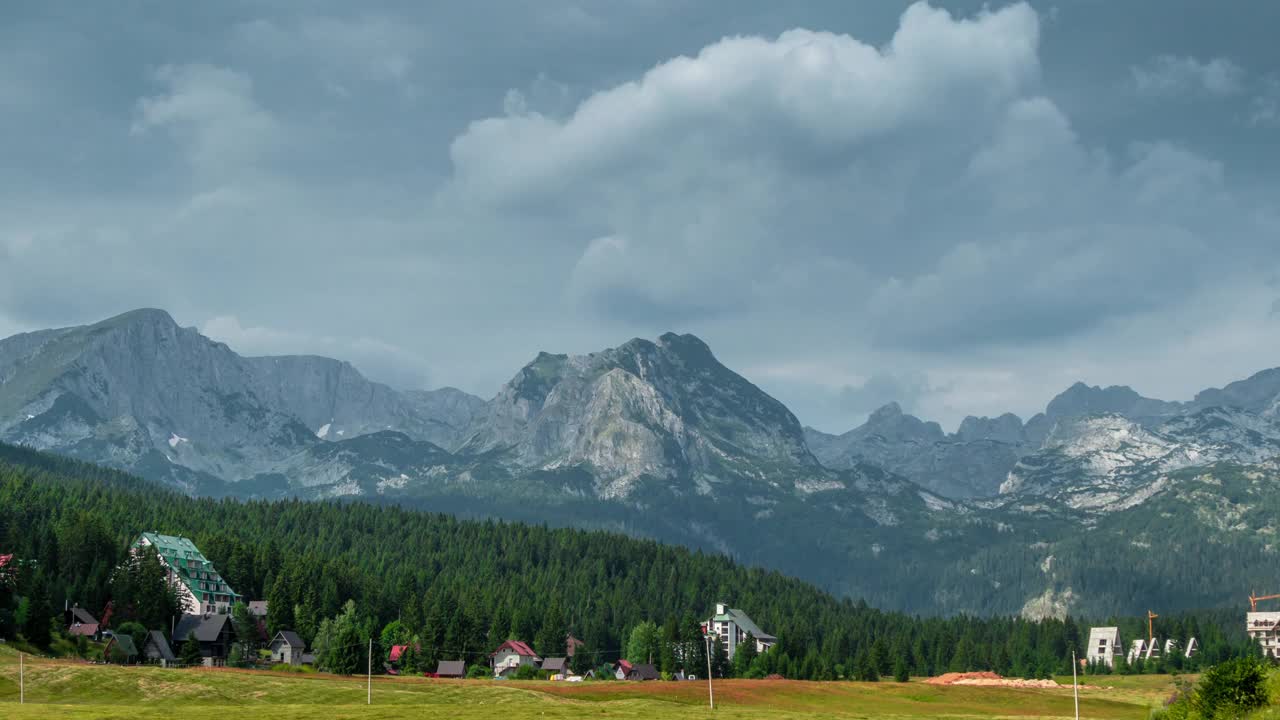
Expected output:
(1075, 685)
(369, 699)
(22, 680)
(711, 695)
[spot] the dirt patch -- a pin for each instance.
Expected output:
(990, 679)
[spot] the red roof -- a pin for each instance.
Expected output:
(626, 666)
(4, 560)
(397, 651)
(516, 647)
(86, 629)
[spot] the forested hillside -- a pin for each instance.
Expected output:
(461, 587)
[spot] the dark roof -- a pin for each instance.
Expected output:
(156, 638)
(207, 628)
(80, 615)
(644, 671)
(290, 638)
(554, 664)
(451, 668)
(516, 647)
(126, 644)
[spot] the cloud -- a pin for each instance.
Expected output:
(343, 53)
(1264, 108)
(1186, 76)
(881, 389)
(211, 112)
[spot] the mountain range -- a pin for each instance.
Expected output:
(658, 438)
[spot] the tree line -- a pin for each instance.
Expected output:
(339, 574)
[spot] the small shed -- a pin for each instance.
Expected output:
(451, 669)
(287, 647)
(555, 665)
(157, 649)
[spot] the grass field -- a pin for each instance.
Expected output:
(56, 688)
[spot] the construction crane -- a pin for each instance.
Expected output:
(1255, 599)
(1151, 635)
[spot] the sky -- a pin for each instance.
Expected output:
(961, 207)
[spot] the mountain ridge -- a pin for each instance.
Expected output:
(654, 438)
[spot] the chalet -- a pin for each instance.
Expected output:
(287, 648)
(511, 655)
(157, 649)
(730, 627)
(213, 632)
(81, 623)
(1104, 643)
(556, 666)
(200, 587)
(451, 669)
(621, 669)
(121, 648)
(644, 671)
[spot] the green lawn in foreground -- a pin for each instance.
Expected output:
(66, 689)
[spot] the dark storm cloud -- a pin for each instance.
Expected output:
(965, 207)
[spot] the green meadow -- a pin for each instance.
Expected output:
(60, 688)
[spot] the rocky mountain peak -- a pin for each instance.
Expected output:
(891, 422)
(1258, 393)
(1007, 428)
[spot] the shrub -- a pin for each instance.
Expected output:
(479, 672)
(525, 672)
(1232, 688)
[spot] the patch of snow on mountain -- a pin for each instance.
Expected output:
(175, 440)
(323, 432)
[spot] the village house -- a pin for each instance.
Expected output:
(1104, 643)
(621, 669)
(200, 588)
(157, 649)
(213, 632)
(511, 655)
(557, 666)
(81, 623)
(287, 648)
(456, 669)
(730, 627)
(120, 648)
(643, 671)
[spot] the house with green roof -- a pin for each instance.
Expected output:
(730, 627)
(200, 588)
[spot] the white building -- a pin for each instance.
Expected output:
(1104, 643)
(1262, 628)
(730, 628)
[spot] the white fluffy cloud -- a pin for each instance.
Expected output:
(212, 113)
(925, 196)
